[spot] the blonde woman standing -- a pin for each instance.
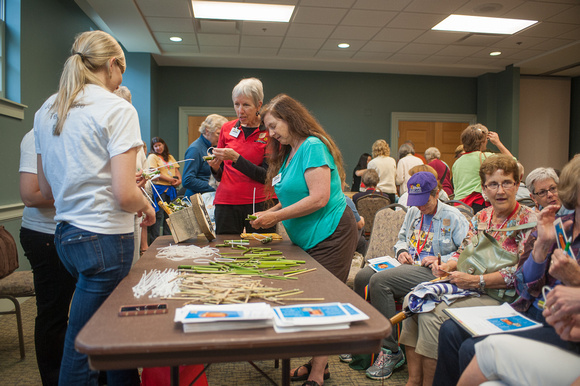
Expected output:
(87, 141)
(386, 167)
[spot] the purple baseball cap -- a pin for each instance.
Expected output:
(419, 188)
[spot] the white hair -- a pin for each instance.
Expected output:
(540, 174)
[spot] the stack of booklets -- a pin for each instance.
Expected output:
(316, 317)
(201, 318)
(486, 320)
(379, 264)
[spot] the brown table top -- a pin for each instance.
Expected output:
(114, 342)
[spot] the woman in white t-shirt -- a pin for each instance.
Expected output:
(87, 140)
(386, 167)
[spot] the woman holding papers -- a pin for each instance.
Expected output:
(548, 264)
(499, 179)
(307, 175)
(430, 229)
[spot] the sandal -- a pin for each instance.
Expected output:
(304, 377)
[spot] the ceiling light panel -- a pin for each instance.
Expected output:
(242, 11)
(478, 24)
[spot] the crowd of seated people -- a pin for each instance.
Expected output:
(437, 349)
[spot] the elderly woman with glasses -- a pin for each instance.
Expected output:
(543, 186)
(499, 180)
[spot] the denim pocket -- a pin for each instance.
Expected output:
(84, 251)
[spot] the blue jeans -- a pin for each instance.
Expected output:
(98, 262)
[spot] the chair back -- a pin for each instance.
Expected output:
(386, 226)
(8, 253)
(527, 202)
(465, 209)
(367, 206)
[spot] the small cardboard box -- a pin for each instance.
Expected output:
(190, 222)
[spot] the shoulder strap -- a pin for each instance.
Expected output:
(444, 174)
(515, 228)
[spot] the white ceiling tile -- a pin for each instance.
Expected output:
(535, 10)
(454, 50)
(484, 53)
(382, 47)
(415, 20)
(295, 53)
(552, 44)
(523, 54)
(573, 34)
(316, 15)
(327, 3)
(163, 38)
(407, 58)
(310, 30)
(184, 49)
(170, 24)
(488, 8)
(446, 7)
(271, 29)
(217, 26)
(415, 48)
(570, 16)
(334, 54)
(479, 40)
(332, 44)
(519, 40)
(345, 32)
(218, 40)
(548, 30)
(441, 59)
(258, 52)
(216, 50)
(261, 41)
(367, 18)
(302, 43)
(440, 37)
(398, 34)
(165, 8)
(374, 56)
(381, 5)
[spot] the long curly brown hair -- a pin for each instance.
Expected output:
(301, 124)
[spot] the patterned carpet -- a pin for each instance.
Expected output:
(14, 371)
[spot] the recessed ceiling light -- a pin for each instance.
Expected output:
(495, 53)
(343, 45)
(479, 24)
(175, 39)
(241, 11)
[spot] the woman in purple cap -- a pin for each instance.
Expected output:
(431, 228)
(499, 177)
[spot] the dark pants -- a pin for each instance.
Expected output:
(231, 219)
(459, 348)
(54, 288)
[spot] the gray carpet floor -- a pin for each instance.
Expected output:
(16, 371)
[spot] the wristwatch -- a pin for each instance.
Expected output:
(481, 283)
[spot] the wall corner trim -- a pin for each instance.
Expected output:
(11, 212)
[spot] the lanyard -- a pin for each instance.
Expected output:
(503, 224)
(420, 247)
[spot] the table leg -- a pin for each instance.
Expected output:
(174, 376)
(285, 372)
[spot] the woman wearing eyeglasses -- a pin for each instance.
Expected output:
(499, 177)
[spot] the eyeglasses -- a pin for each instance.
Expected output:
(495, 186)
(543, 193)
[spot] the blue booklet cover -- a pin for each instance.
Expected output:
(217, 313)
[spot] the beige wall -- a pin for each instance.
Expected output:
(544, 122)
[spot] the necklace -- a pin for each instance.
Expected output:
(503, 224)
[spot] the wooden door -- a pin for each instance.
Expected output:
(193, 123)
(445, 136)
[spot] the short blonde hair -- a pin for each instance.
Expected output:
(212, 123)
(432, 153)
(381, 148)
(251, 88)
(570, 183)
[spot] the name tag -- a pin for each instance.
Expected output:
(276, 179)
(235, 132)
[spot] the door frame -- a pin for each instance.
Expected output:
(424, 117)
(186, 111)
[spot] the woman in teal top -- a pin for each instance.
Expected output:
(306, 173)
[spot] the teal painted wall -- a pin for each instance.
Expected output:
(355, 108)
(498, 105)
(575, 118)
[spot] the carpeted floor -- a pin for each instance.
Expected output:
(14, 371)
